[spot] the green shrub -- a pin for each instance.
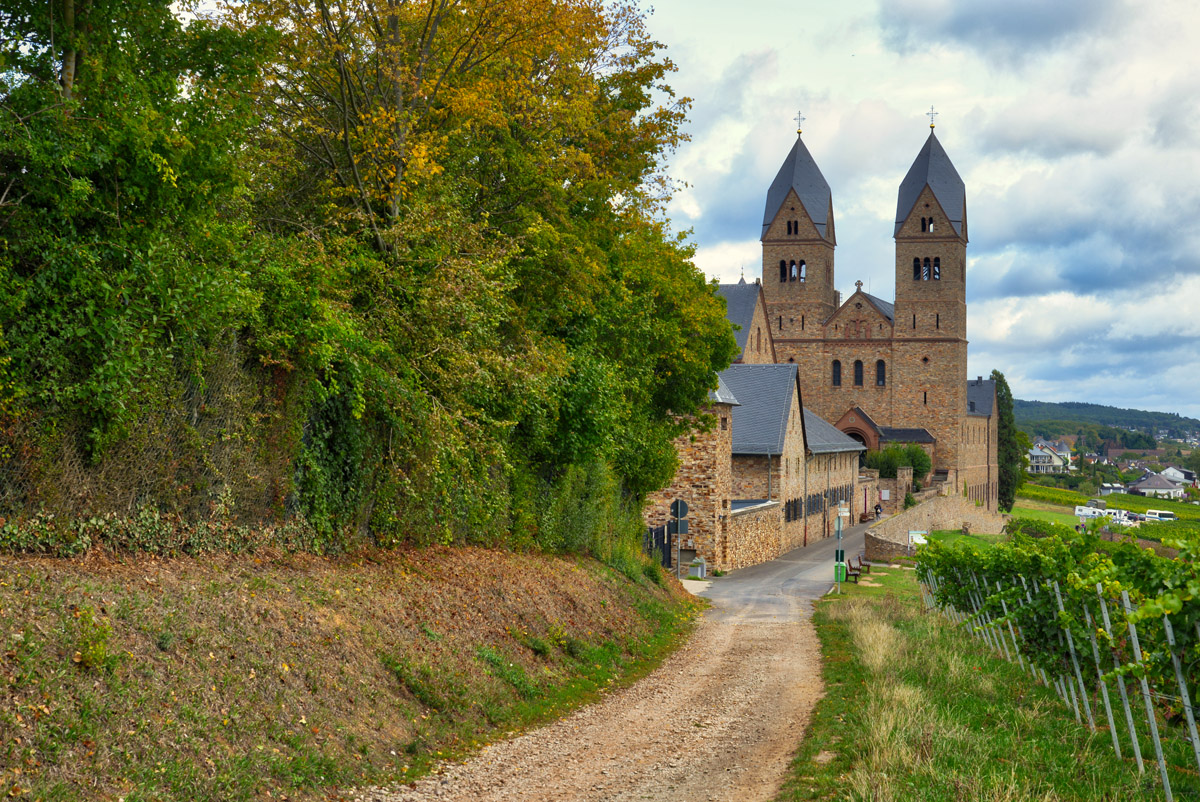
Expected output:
(909, 501)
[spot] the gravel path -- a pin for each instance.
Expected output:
(719, 720)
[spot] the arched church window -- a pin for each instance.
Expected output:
(858, 373)
(931, 225)
(793, 268)
(880, 374)
(924, 225)
(782, 270)
(837, 373)
(803, 271)
(758, 340)
(916, 269)
(937, 268)
(925, 269)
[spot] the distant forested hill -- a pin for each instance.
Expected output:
(1068, 417)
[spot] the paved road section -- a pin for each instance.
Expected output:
(719, 720)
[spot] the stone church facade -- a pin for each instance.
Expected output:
(885, 372)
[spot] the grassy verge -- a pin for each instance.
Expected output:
(238, 679)
(918, 710)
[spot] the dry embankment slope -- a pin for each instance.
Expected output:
(297, 676)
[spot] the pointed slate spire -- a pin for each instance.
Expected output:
(800, 172)
(933, 167)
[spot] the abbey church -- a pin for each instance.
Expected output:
(882, 372)
(818, 382)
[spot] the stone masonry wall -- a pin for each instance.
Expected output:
(753, 536)
(703, 481)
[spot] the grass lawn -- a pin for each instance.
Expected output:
(917, 709)
(980, 541)
(1045, 512)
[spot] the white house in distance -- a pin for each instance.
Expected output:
(1180, 475)
(1043, 459)
(1156, 485)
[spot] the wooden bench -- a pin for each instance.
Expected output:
(861, 568)
(852, 573)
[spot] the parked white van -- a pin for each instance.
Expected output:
(1089, 512)
(1159, 515)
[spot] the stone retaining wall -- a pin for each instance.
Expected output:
(889, 538)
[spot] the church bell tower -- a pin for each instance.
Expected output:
(797, 245)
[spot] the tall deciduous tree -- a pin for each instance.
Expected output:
(1010, 455)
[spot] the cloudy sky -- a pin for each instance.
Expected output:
(1075, 124)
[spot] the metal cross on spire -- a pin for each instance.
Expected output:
(931, 114)
(799, 118)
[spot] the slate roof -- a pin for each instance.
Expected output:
(1155, 482)
(722, 395)
(933, 167)
(891, 434)
(740, 300)
(800, 172)
(823, 438)
(765, 395)
(982, 392)
(888, 310)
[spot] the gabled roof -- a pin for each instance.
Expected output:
(981, 393)
(765, 395)
(722, 395)
(800, 172)
(888, 310)
(1155, 482)
(823, 438)
(934, 168)
(740, 300)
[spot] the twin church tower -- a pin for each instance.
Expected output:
(883, 372)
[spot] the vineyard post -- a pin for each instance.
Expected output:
(1011, 631)
(1029, 597)
(1183, 691)
(1137, 747)
(1083, 693)
(1112, 727)
(985, 628)
(1070, 686)
(997, 635)
(1137, 654)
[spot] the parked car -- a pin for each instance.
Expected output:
(1160, 515)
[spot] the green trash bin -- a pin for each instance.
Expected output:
(839, 572)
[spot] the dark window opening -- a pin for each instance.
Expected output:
(924, 225)
(802, 323)
(858, 373)
(837, 373)
(914, 321)
(925, 397)
(916, 269)
(937, 268)
(880, 374)
(724, 423)
(791, 359)
(782, 270)
(781, 322)
(937, 321)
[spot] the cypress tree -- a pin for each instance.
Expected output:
(1008, 451)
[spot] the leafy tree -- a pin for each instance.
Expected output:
(1010, 451)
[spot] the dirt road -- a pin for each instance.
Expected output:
(719, 720)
